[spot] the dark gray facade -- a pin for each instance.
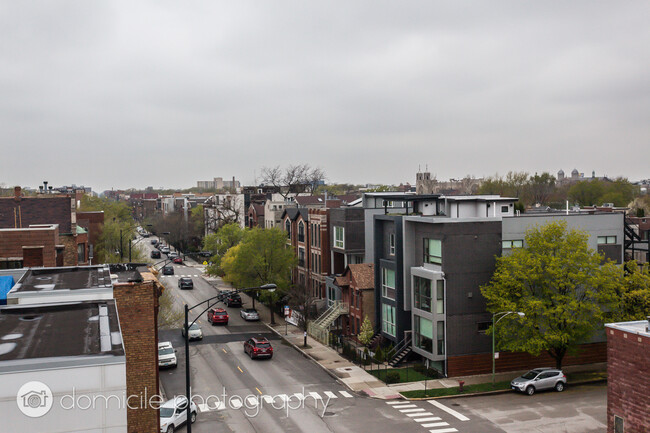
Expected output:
(351, 219)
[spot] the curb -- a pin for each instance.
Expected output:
(496, 392)
(308, 356)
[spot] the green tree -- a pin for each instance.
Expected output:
(220, 242)
(634, 293)
(366, 333)
(541, 187)
(261, 258)
(559, 283)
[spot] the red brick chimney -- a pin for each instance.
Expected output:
(17, 193)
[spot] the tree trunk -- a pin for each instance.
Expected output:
(558, 355)
(272, 316)
(253, 298)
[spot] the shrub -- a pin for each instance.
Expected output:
(392, 377)
(420, 368)
(379, 355)
(390, 352)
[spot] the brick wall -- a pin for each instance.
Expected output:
(481, 363)
(12, 242)
(32, 257)
(24, 211)
(628, 382)
(70, 250)
(94, 223)
(137, 305)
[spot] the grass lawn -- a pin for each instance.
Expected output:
(405, 374)
(485, 387)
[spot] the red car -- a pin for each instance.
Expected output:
(258, 347)
(178, 260)
(217, 315)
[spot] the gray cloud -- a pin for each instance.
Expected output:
(119, 94)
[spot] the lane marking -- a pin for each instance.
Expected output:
(433, 418)
(435, 424)
(404, 406)
(449, 410)
(240, 370)
(443, 430)
(224, 350)
(258, 390)
(330, 394)
(419, 414)
(411, 410)
(345, 394)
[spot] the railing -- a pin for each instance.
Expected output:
(406, 341)
(319, 328)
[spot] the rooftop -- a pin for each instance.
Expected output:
(63, 278)
(32, 335)
(639, 327)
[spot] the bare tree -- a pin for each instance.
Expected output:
(220, 211)
(293, 179)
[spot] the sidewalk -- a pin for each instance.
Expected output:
(356, 378)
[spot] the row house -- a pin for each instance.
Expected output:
(357, 285)
(43, 231)
(431, 263)
(255, 215)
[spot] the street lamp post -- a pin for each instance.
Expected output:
(219, 298)
(503, 314)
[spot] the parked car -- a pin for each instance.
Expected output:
(217, 315)
(178, 260)
(173, 414)
(185, 283)
(258, 347)
(539, 379)
(233, 300)
(154, 242)
(166, 355)
(249, 314)
(168, 270)
(145, 234)
(172, 255)
(164, 250)
(195, 332)
(205, 253)
(155, 254)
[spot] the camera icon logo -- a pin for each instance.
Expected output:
(34, 399)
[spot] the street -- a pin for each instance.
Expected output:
(293, 394)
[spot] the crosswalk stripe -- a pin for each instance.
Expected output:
(283, 397)
(299, 395)
(267, 399)
(449, 410)
(411, 410)
(419, 414)
(433, 418)
(315, 395)
(235, 403)
(404, 406)
(345, 394)
(443, 430)
(252, 401)
(330, 394)
(396, 402)
(435, 424)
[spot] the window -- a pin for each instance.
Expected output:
(318, 235)
(504, 209)
(388, 283)
(81, 253)
(287, 227)
(482, 327)
(433, 251)
(391, 242)
(441, 337)
(422, 293)
(423, 333)
(388, 319)
(440, 297)
(602, 240)
(618, 424)
(512, 244)
(339, 241)
(301, 232)
(301, 257)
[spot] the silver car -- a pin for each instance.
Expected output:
(249, 314)
(195, 332)
(540, 379)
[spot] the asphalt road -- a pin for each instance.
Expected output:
(290, 393)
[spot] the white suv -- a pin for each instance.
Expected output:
(166, 355)
(173, 413)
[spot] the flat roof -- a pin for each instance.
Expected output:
(639, 327)
(56, 335)
(63, 278)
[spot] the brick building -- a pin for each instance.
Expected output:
(19, 212)
(628, 384)
(37, 245)
(255, 215)
(357, 286)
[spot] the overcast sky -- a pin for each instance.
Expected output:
(119, 94)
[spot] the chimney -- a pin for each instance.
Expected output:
(17, 193)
